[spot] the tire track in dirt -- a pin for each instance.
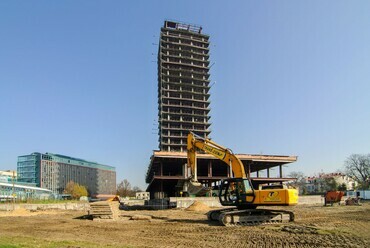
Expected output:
(314, 227)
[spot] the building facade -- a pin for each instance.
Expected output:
(54, 171)
(8, 176)
(142, 195)
(11, 188)
(20, 192)
(326, 181)
(183, 85)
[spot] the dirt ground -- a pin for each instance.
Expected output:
(314, 226)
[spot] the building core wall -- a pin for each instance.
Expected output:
(183, 85)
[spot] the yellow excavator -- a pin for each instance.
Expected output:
(240, 192)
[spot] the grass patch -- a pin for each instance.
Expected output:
(326, 232)
(30, 242)
(270, 227)
(50, 201)
(36, 201)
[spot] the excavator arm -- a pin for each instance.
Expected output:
(196, 142)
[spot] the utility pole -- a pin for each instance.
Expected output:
(13, 193)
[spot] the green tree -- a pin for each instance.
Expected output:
(330, 184)
(342, 187)
(69, 188)
(80, 190)
(75, 190)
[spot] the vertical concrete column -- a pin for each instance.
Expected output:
(185, 171)
(210, 169)
(281, 171)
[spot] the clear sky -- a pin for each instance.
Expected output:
(79, 78)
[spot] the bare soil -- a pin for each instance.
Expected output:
(314, 226)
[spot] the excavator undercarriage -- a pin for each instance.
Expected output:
(249, 217)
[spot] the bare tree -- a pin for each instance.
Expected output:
(296, 174)
(298, 181)
(357, 166)
(124, 188)
(136, 189)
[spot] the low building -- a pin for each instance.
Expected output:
(362, 194)
(167, 171)
(20, 192)
(326, 181)
(142, 195)
(54, 171)
(8, 176)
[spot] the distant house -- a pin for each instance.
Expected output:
(319, 184)
(142, 195)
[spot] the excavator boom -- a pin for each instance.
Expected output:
(210, 147)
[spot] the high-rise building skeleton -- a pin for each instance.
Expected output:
(183, 100)
(183, 85)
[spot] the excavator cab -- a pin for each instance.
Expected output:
(237, 192)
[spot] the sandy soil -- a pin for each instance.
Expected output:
(315, 226)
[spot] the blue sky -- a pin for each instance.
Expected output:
(290, 77)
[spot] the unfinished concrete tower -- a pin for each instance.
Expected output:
(183, 85)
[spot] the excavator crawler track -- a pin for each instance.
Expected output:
(250, 217)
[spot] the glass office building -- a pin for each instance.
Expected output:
(54, 171)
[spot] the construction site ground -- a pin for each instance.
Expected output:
(314, 226)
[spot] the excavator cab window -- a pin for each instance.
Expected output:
(247, 186)
(227, 193)
(236, 191)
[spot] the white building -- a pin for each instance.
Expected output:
(8, 176)
(22, 192)
(319, 184)
(142, 195)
